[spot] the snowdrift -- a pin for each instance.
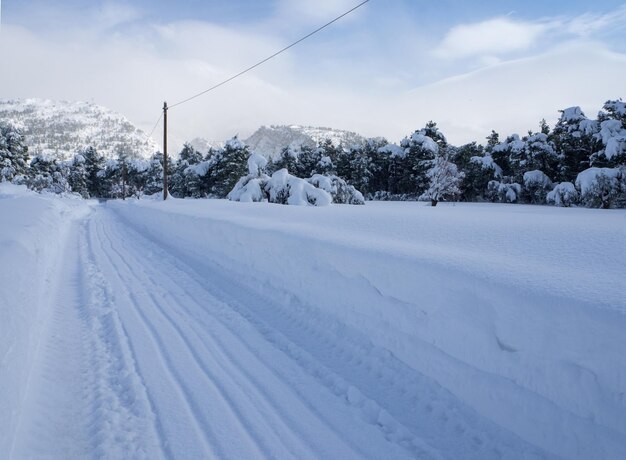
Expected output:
(32, 232)
(519, 311)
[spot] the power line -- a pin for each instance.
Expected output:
(155, 125)
(268, 58)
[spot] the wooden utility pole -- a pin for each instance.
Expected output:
(164, 151)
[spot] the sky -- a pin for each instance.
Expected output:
(385, 70)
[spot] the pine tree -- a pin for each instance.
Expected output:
(78, 176)
(154, 175)
(575, 142)
(95, 169)
(420, 150)
(288, 159)
(226, 166)
(14, 157)
(47, 174)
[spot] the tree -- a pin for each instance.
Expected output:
(444, 179)
(575, 141)
(94, 164)
(411, 168)
(78, 176)
(47, 174)
(154, 175)
(225, 166)
(13, 154)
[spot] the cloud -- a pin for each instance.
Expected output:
(589, 24)
(492, 37)
(514, 96)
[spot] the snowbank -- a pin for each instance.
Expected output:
(31, 240)
(518, 311)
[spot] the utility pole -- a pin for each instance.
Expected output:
(164, 151)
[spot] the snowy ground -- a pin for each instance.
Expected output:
(212, 329)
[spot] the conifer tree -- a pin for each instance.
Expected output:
(14, 157)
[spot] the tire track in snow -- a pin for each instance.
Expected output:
(217, 351)
(123, 423)
(219, 438)
(204, 441)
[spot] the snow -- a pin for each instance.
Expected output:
(536, 177)
(613, 137)
(393, 149)
(488, 163)
(270, 141)
(283, 187)
(563, 194)
(64, 128)
(425, 142)
(572, 114)
(32, 230)
(256, 164)
(234, 144)
(587, 179)
(248, 189)
(513, 143)
(209, 328)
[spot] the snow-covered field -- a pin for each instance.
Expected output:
(213, 329)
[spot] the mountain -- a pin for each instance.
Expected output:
(64, 128)
(269, 141)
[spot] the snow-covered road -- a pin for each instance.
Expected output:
(153, 346)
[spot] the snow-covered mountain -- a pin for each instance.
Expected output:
(203, 145)
(64, 128)
(269, 141)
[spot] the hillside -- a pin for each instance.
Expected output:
(63, 128)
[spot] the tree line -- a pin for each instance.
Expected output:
(580, 161)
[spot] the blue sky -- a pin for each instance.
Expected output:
(385, 70)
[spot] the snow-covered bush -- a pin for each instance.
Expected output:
(599, 187)
(563, 194)
(536, 186)
(502, 192)
(249, 188)
(253, 186)
(283, 188)
(339, 189)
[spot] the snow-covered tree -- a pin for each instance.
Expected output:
(503, 192)
(477, 174)
(575, 140)
(224, 167)
(47, 174)
(536, 187)
(408, 167)
(78, 176)
(185, 180)
(444, 180)
(154, 175)
(13, 154)
(94, 165)
(340, 191)
(600, 187)
(563, 194)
